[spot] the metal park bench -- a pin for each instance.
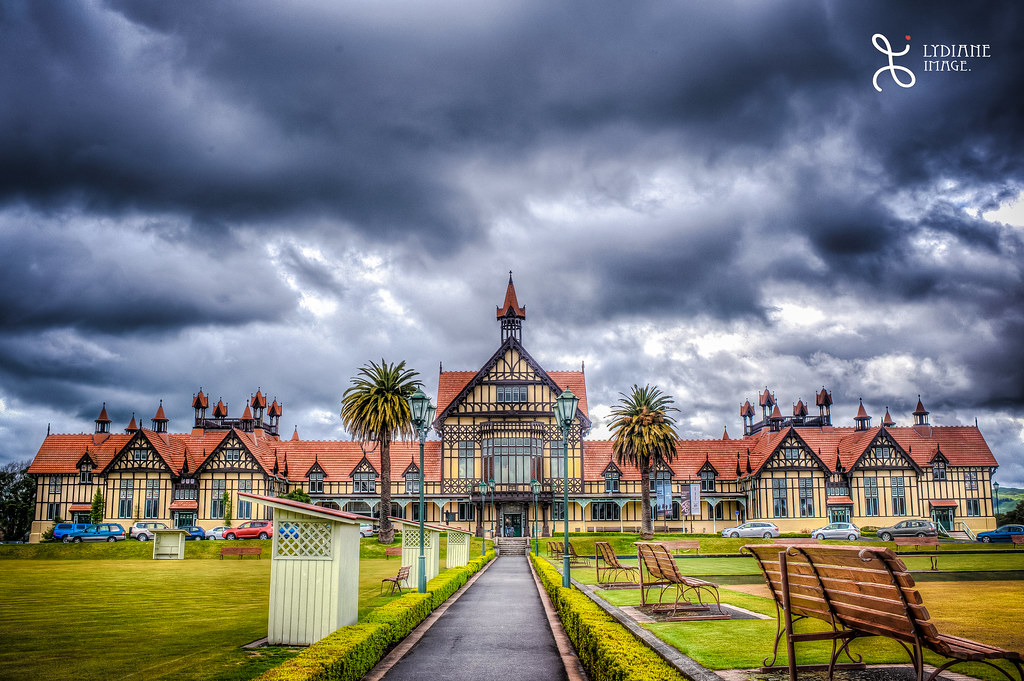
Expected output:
(555, 549)
(396, 581)
(860, 591)
(664, 574)
(612, 566)
(576, 559)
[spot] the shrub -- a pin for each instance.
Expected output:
(607, 650)
(48, 534)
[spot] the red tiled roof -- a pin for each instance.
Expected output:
(103, 418)
(942, 503)
(184, 505)
(449, 385)
(259, 400)
(80, 507)
(839, 501)
(200, 401)
(160, 416)
(861, 413)
(575, 381)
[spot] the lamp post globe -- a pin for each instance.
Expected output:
(565, 414)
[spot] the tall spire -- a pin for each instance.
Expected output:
(511, 314)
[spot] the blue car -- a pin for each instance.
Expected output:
(1000, 533)
(109, 532)
(63, 529)
(193, 532)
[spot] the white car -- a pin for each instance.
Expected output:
(217, 532)
(366, 530)
(752, 529)
(143, 531)
(837, 531)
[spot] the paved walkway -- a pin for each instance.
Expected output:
(497, 630)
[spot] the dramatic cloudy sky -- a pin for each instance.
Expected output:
(711, 197)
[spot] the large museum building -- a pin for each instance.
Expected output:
(497, 435)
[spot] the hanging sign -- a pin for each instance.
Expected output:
(689, 499)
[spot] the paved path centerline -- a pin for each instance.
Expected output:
(497, 630)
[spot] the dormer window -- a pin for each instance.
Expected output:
(364, 483)
(707, 481)
(85, 473)
(512, 393)
(939, 470)
(412, 482)
(316, 482)
(611, 481)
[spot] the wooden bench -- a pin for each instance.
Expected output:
(555, 549)
(396, 581)
(662, 572)
(860, 591)
(676, 545)
(241, 551)
(917, 543)
(612, 566)
(1017, 539)
(796, 541)
(392, 551)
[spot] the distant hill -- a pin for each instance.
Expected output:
(1009, 497)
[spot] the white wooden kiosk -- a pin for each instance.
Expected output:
(314, 571)
(457, 551)
(169, 544)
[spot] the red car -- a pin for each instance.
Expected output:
(254, 529)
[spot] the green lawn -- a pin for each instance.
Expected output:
(112, 612)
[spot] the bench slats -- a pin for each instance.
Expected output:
(877, 590)
(869, 576)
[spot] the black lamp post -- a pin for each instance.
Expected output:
(565, 414)
(482, 486)
(422, 412)
(535, 488)
(995, 486)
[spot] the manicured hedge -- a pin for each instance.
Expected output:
(607, 650)
(350, 652)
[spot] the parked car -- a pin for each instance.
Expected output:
(62, 529)
(367, 530)
(217, 532)
(193, 532)
(837, 531)
(144, 531)
(752, 529)
(1002, 533)
(908, 528)
(102, 532)
(254, 529)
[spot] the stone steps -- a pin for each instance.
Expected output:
(512, 546)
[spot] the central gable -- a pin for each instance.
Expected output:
(792, 453)
(510, 384)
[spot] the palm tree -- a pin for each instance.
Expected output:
(643, 435)
(375, 408)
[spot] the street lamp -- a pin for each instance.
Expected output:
(422, 412)
(482, 486)
(494, 516)
(535, 488)
(565, 414)
(995, 486)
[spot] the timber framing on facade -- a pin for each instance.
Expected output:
(496, 435)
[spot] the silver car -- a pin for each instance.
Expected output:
(752, 529)
(217, 532)
(837, 531)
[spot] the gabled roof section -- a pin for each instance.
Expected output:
(364, 466)
(556, 380)
(511, 307)
(708, 466)
(315, 468)
(611, 468)
(411, 468)
(86, 458)
(938, 456)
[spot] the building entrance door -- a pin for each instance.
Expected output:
(839, 514)
(184, 518)
(944, 518)
(513, 525)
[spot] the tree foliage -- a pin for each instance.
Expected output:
(375, 408)
(297, 494)
(96, 511)
(17, 499)
(1014, 516)
(643, 434)
(226, 500)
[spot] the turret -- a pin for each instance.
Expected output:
(510, 314)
